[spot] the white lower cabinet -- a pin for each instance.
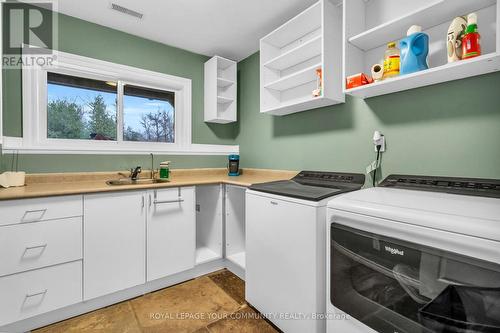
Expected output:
(171, 231)
(50, 260)
(114, 242)
(38, 291)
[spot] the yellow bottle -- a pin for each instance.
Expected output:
(391, 61)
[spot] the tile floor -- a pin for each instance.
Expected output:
(212, 303)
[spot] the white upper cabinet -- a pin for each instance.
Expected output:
(370, 24)
(220, 90)
(291, 55)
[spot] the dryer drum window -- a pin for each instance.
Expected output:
(392, 285)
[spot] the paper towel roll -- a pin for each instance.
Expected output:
(377, 72)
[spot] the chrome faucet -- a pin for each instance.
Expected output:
(152, 166)
(134, 173)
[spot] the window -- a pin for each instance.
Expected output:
(148, 115)
(83, 105)
(80, 108)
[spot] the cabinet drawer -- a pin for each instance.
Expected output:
(33, 210)
(35, 292)
(34, 245)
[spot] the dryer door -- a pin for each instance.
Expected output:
(396, 286)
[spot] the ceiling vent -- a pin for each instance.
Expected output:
(127, 11)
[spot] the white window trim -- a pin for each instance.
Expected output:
(1, 77)
(34, 89)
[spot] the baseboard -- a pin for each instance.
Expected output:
(55, 316)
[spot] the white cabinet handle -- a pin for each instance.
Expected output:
(142, 202)
(36, 294)
(26, 213)
(150, 201)
(27, 249)
(168, 201)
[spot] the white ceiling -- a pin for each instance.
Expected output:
(229, 28)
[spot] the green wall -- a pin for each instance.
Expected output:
(95, 41)
(450, 129)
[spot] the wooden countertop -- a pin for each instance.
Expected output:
(55, 184)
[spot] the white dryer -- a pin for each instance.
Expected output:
(418, 254)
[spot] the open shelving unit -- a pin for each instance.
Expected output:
(366, 36)
(235, 225)
(209, 221)
(220, 90)
(290, 56)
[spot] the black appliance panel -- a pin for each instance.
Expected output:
(396, 286)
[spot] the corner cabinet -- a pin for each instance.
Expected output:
(171, 231)
(220, 91)
(291, 55)
(114, 242)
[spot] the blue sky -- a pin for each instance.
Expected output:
(134, 107)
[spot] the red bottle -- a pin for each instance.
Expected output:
(471, 45)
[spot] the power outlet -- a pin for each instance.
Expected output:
(382, 148)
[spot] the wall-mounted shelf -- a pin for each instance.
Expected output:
(290, 55)
(366, 36)
(222, 83)
(220, 90)
(295, 79)
(454, 71)
(427, 16)
(224, 100)
(297, 55)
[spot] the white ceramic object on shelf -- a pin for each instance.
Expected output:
(12, 179)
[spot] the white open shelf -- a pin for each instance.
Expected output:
(453, 71)
(235, 225)
(222, 83)
(295, 79)
(220, 90)
(297, 55)
(238, 259)
(209, 221)
(224, 100)
(426, 15)
(366, 37)
(290, 55)
(205, 254)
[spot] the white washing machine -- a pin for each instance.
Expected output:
(286, 247)
(417, 254)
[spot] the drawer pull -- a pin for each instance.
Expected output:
(29, 248)
(36, 294)
(168, 201)
(28, 212)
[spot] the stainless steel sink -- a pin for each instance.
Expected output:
(128, 181)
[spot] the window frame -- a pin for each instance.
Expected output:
(34, 91)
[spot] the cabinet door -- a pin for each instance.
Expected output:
(114, 242)
(171, 231)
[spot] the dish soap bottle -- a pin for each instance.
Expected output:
(414, 50)
(165, 170)
(471, 46)
(391, 61)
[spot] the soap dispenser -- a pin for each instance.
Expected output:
(414, 50)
